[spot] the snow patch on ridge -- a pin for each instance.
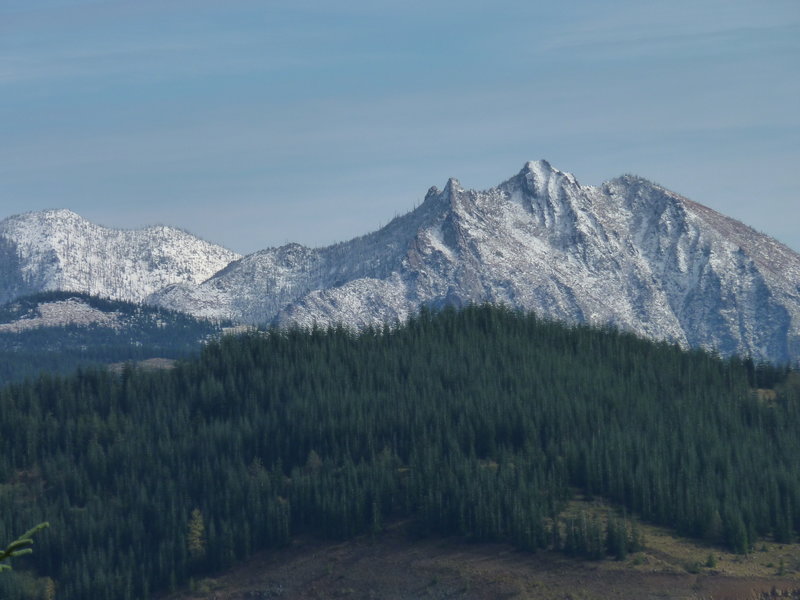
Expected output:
(62, 313)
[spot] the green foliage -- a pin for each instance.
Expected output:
(693, 567)
(196, 535)
(635, 538)
(617, 538)
(475, 423)
(20, 546)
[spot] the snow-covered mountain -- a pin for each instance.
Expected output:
(59, 250)
(628, 253)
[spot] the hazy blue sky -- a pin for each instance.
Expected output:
(254, 123)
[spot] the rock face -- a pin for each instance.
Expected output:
(627, 253)
(58, 250)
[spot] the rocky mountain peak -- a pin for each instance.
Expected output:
(452, 187)
(628, 253)
(540, 178)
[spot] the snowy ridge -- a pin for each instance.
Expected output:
(60, 313)
(59, 250)
(628, 253)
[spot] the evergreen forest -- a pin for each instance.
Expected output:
(143, 332)
(480, 423)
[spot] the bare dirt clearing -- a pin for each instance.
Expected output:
(392, 566)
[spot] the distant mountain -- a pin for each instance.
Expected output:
(60, 331)
(59, 250)
(628, 253)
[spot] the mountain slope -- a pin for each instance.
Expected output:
(59, 250)
(628, 253)
(60, 331)
(479, 423)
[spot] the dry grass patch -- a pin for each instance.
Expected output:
(666, 552)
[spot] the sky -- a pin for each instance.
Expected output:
(253, 123)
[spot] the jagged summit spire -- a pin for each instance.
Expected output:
(452, 185)
(538, 175)
(540, 165)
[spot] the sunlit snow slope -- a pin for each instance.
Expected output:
(59, 250)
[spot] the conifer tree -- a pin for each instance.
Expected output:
(196, 536)
(20, 546)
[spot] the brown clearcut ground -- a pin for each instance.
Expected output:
(393, 567)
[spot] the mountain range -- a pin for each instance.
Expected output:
(628, 253)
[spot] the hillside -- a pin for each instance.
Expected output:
(480, 423)
(394, 566)
(57, 332)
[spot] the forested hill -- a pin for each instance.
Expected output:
(61, 331)
(478, 423)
